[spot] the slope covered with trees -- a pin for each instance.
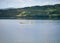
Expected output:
(34, 12)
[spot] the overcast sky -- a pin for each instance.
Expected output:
(25, 3)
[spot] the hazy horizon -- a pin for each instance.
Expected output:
(26, 3)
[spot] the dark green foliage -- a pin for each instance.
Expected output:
(34, 12)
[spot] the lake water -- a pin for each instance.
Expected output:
(29, 31)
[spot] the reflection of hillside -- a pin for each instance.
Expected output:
(34, 12)
(27, 23)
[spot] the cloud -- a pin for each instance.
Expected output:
(26, 3)
(50, 3)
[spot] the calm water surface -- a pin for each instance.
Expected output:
(30, 31)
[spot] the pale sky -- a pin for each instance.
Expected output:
(25, 3)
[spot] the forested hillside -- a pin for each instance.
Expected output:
(34, 12)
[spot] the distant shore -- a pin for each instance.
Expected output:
(46, 12)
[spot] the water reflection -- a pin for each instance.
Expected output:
(42, 31)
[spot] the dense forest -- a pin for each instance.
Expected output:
(33, 12)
